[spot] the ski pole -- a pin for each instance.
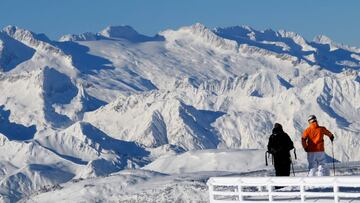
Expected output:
(266, 161)
(332, 149)
(292, 166)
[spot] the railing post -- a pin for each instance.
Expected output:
(336, 192)
(241, 198)
(211, 189)
(302, 191)
(270, 190)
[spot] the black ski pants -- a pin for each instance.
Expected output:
(282, 168)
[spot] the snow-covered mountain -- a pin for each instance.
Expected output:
(93, 104)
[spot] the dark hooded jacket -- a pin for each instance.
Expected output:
(280, 145)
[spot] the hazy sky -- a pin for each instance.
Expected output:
(338, 19)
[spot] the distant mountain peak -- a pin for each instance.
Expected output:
(17, 33)
(87, 36)
(196, 28)
(20, 33)
(322, 39)
(199, 26)
(124, 31)
(10, 29)
(325, 40)
(34, 41)
(199, 33)
(112, 32)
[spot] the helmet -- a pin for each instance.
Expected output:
(311, 118)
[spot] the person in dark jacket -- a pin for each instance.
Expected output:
(279, 146)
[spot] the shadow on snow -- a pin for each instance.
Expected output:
(14, 131)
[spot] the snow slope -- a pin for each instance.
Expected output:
(184, 182)
(209, 160)
(144, 185)
(94, 104)
(129, 186)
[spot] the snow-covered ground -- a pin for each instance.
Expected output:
(182, 179)
(165, 112)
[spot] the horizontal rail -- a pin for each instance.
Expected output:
(244, 189)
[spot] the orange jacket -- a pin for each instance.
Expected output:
(313, 138)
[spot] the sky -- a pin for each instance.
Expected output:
(339, 20)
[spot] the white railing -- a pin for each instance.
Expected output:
(293, 189)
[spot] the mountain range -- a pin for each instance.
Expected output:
(93, 104)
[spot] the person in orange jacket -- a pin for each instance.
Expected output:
(313, 144)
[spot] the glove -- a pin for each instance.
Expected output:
(332, 138)
(273, 151)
